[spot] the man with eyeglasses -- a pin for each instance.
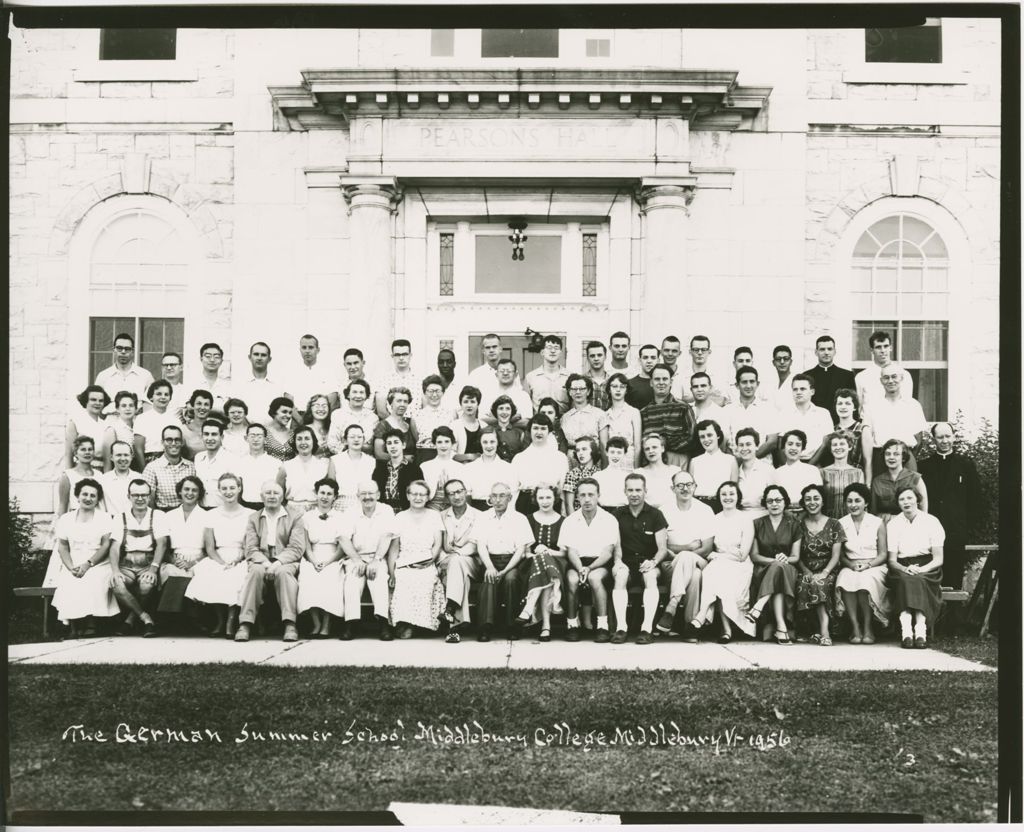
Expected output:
(893, 416)
(171, 371)
(689, 540)
(548, 380)
(401, 375)
(583, 418)
(124, 373)
(211, 357)
(780, 391)
(165, 472)
(365, 542)
(869, 382)
(507, 385)
(462, 564)
(669, 417)
(133, 563)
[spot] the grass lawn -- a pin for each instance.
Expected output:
(915, 742)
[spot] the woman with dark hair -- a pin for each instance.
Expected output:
(86, 420)
(394, 474)
(657, 471)
(848, 419)
(429, 414)
(83, 544)
(67, 484)
(775, 553)
(710, 466)
(150, 424)
(822, 540)
(511, 437)
(398, 400)
(235, 439)
(582, 418)
(794, 474)
(915, 542)
(317, 416)
(121, 429)
(861, 582)
(624, 419)
(467, 425)
(589, 460)
(321, 582)
(181, 531)
(280, 429)
(543, 568)
(418, 597)
(725, 581)
(550, 408)
(200, 406)
(353, 412)
(754, 475)
(893, 479)
(299, 475)
(840, 473)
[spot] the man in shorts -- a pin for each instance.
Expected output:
(135, 569)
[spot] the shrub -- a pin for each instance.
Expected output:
(21, 557)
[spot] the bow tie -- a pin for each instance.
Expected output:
(323, 516)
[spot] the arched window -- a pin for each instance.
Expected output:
(900, 284)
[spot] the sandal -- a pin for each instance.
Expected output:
(453, 637)
(856, 639)
(545, 635)
(868, 640)
(751, 617)
(815, 639)
(782, 637)
(824, 641)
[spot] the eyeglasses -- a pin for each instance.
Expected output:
(577, 389)
(685, 484)
(170, 366)
(175, 441)
(783, 358)
(774, 500)
(138, 496)
(700, 349)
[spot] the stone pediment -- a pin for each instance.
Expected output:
(333, 98)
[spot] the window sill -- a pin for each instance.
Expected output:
(136, 71)
(884, 73)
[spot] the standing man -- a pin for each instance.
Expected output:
(171, 369)
(954, 497)
(596, 372)
(741, 357)
(700, 362)
(136, 570)
(258, 390)
(549, 379)
(355, 370)
(671, 348)
(644, 535)
(485, 377)
(365, 542)
(124, 373)
(211, 357)
(894, 416)
(214, 461)
(507, 385)
(590, 537)
(255, 466)
(116, 481)
(459, 548)
(446, 370)
(668, 416)
(869, 381)
(620, 363)
(640, 393)
(689, 538)
(401, 375)
(275, 540)
(804, 415)
(310, 376)
(827, 377)
(165, 472)
(748, 410)
(704, 404)
(780, 392)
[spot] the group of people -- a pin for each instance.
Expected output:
(751, 503)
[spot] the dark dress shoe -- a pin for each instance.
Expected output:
(483, 635)
(619, 637)
(645, 638)
(573, 634)
(920, 643)
(349, 631)
(602, 636)
(387, 633)
(907, 643)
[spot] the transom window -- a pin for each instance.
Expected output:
(138, 44)
(905, 44)
(519, 43)
(901, 285)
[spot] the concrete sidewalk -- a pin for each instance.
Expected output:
(511, 655)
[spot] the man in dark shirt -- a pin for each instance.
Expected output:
(643, 532)
(640, 393)
(828, 378)
(673, 419)
(953, 497)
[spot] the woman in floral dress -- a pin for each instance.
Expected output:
(820, 547)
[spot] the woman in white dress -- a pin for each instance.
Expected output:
(794, 475)
(299, 475)
(217, 577)
(321, 582)
(86, 420)
(83, 541)
(725, 581)
(150, 425)
(353, 412)
(861, 583)
(623, 419)
(121, 428)
(657, 471)
(755, 475)
(351, 467)
(181, 531)
(710, 466)
(418, 597)
(234, 439)
(83, 455)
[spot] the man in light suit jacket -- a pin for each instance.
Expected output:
(274, 542)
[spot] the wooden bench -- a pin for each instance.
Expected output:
(43, 592)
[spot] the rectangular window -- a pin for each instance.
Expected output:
(539, 272)
(138, 44)
(589, 265)
(922, 348)
(447, 276)
(905, 44)
(519, 43)
(442, 43)
(599, 47)
(153, 337)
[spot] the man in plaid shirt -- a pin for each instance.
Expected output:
(668, 416)
(165, 472)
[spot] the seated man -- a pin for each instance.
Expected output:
(365, 542)
(132, 560)
(590, 537)
(274, 543)
(689, 540)
(643, 532)
(461, 564)
(502, 535)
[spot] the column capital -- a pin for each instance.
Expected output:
(371, 192)
(665, 192)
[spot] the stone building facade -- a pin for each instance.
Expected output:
(759, 187)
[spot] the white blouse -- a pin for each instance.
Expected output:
(911, 539)
(863, 544)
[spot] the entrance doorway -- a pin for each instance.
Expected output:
(512, 346)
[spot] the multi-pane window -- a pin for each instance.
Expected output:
(598, 47)
(447, 276)
(519, 43)
(589, 265)
(905, 44)
(153, 337)
(901, 286)
(138, 44)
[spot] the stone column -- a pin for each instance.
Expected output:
(663, 203)
(371, 200)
